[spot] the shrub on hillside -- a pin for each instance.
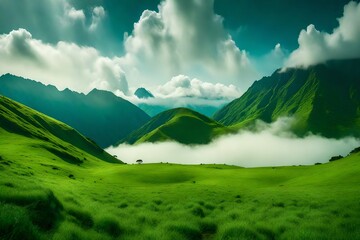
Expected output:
(335, 158)
(356, 150)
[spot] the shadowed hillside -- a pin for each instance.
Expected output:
(100, 115)
(21, 125)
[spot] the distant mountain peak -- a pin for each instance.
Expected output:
(99, 92)
(143, 93)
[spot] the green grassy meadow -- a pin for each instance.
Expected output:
(57, 184)
(45, 197)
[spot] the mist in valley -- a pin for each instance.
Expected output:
(268, 145)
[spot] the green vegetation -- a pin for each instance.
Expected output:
(182, 125)
(57, 184)
(166, 201)
(21, 126)
(46, 195)
(324, 99)
(100, 115)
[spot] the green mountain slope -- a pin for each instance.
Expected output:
(24, 129)
(100, 115)
(324, 99)
(181, 124)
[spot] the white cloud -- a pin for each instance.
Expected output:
(184, 37)
(270, 146)
(70, 13)
(275, 59)
(97, 15)
(65, 65)
(317, 47)
(181, 91)
(74, 14)
(183, 86)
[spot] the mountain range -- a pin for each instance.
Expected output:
(100, 115)
(323, 99)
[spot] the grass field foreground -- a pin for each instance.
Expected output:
(44, 197)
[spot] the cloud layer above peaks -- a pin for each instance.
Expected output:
(317, 47)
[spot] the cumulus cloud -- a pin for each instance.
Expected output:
(181, 91)
(61, 20)
(98, 14)
(153, 106)
(316, 46)
(74, 14)
(65, 65)
(183, 86)
(184, 37)
(271, 145)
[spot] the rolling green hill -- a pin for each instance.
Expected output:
(181, 125)
(25, 130)
(324, 99)
(100, 115)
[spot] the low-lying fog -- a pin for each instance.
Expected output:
(269, 145)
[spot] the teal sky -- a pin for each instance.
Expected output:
(255, 25)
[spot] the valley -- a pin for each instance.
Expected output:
(83, 193)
